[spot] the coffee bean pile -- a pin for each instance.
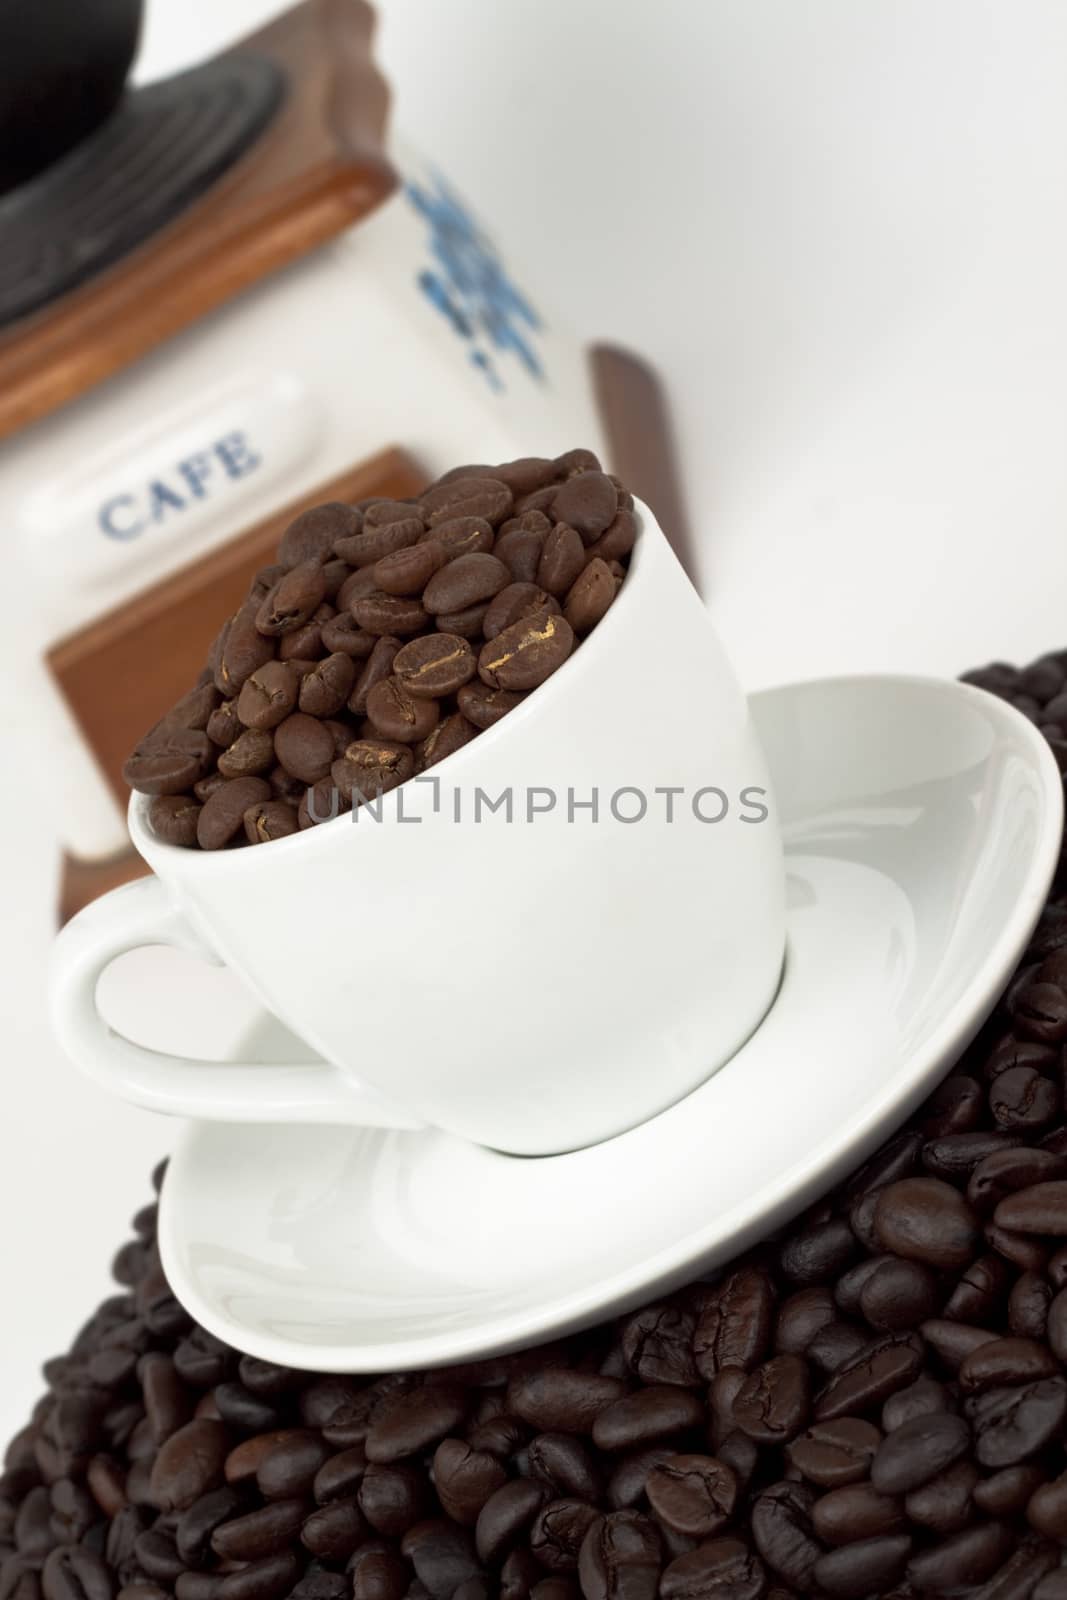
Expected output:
(387, 635)
(872, 1404)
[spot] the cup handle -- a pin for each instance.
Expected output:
(142, 913)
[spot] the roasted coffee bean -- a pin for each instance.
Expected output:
(781, 1528)
(408, 1424)
(106, 1481)
(173, 818)
(626, 1484)
(898, 1294)
(483, 707)
(526, 474)
(734, 1326)
(443, 1558)
(1020, 1575)
(371, 767)
(857, 1512)
(1041, 1208)
(589, 502)
(514, 602)
(979, 1290)
(559, 1399)
(378, 667)
(1027, 1306)
(196, 1525)
(505, 1517)
(1003, 1362)
(721, 1569)
(863, 1568)
(156, 1554)
(1008, 1491)
(378, 1573)
(264, 1532)
(325, 690)
(919, 1399)
(204, 788)
(833, 1454)
(304, 747)
(657, 1344)
(408, 571)
(399, 715)
(1046, 1511)
(167, 1402)
(966, 1558)
(558, 1531)
(465, 1479)
(722, 1392)
(391, 1498)
(268, 695)
(250, 755)
(1021, 1249)
(946, 1505)
(1013, 1423)
(312, 535)
(222, 814)
(189, 1463)
(448, 737)
(819, 1253)
(917, 1451)
(1039, 1011)
(1021, 1098)
(203, 1360)
(288, 1467)
(618, 540)
(694, 1495)
(359, 583)
(620, 1555)
(467, 497)
(1006, 1171)
(561, 561)
(244, 648)
(436, 664)
(527, 653)
(373, 544)
(519, 548)
(658, 1412)
(926, 1219)
(954, 1107)
(800, 1318)
(389, 615)
(465, 624)
(869, 1377)
(467, 580)
(590, 595)
(292, 600)
(74, 1572)
(269, 1579)
(334, 1531)
(270, 819)
(385, 513)
(461, 536)
(342, 635)
(772, 1405)
(169, 762)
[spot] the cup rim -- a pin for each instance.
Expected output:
(152, 849)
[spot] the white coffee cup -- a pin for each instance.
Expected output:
(534, 984)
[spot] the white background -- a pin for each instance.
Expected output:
(838, 229)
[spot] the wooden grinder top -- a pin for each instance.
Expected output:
(317, 168)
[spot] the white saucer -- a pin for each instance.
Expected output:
(922, 821)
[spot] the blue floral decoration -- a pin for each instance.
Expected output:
(469, 286)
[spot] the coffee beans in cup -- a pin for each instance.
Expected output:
(386, 636)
